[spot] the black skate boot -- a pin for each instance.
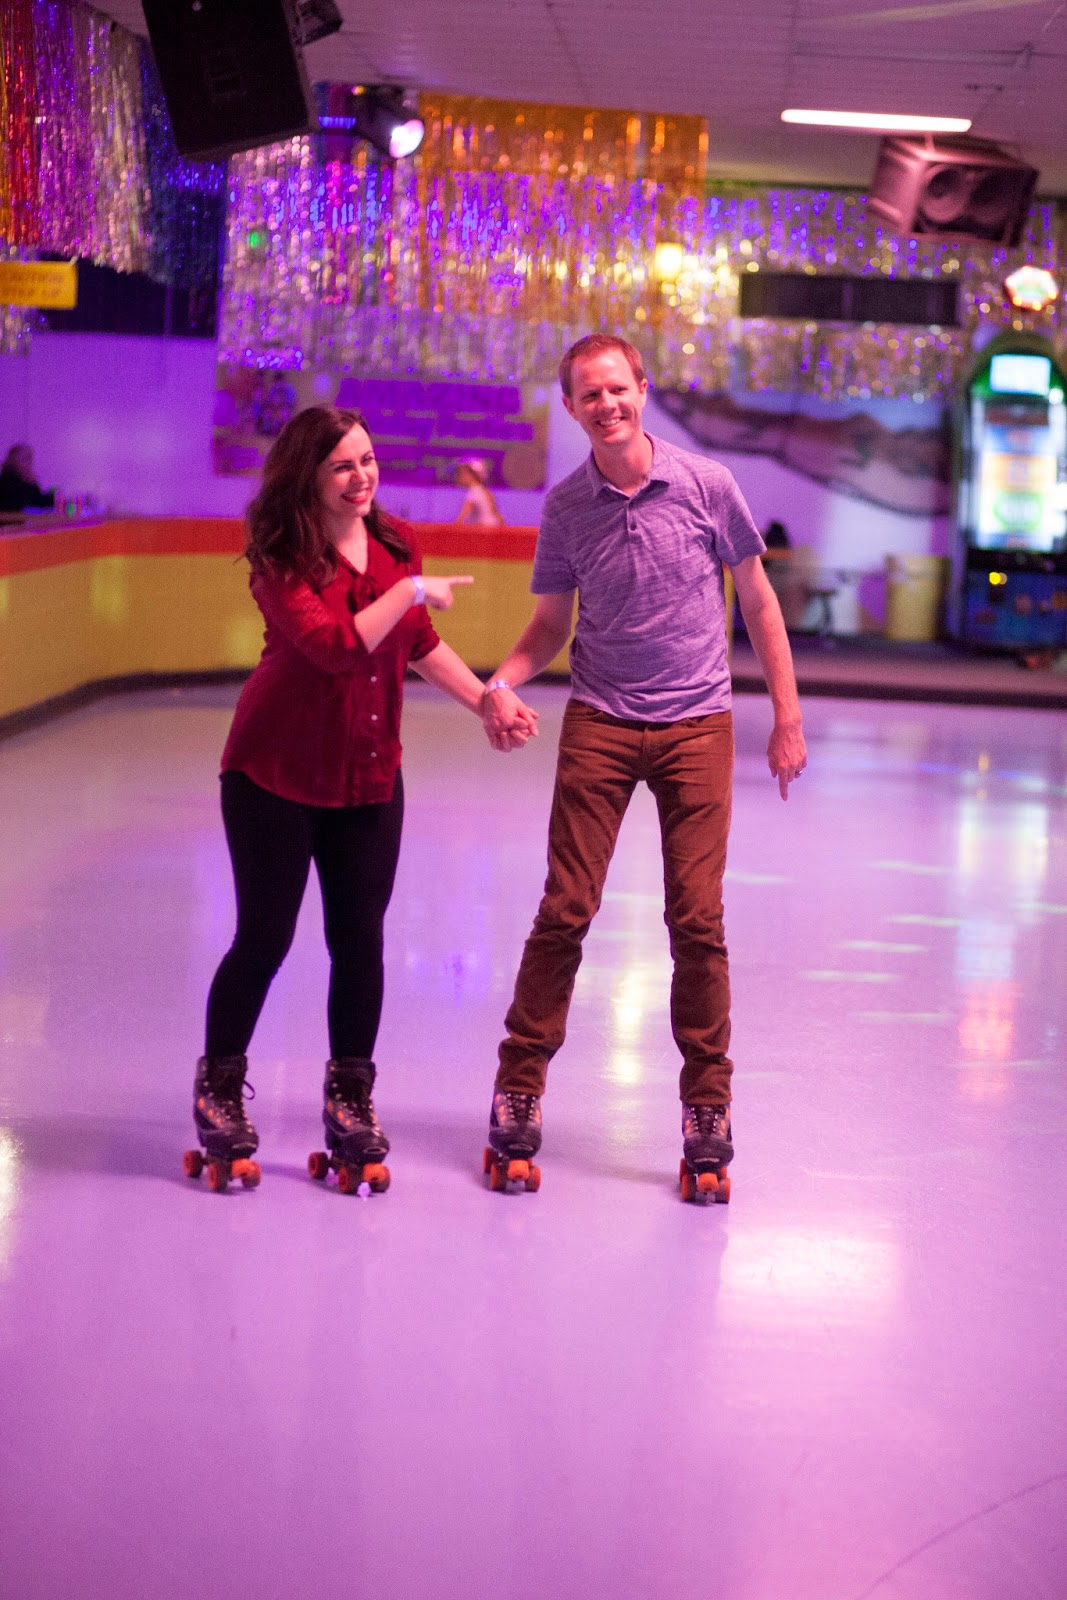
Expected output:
(514, 1137)
(707, 1150)
(228, 1138)
(354, 1136)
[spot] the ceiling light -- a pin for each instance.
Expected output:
(878, 122)
(667, 261)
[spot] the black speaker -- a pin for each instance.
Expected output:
(232, 73)
(952, 186)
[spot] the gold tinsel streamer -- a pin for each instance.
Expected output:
(474, 134)
(118, 141)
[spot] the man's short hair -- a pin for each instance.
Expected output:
(595, 344)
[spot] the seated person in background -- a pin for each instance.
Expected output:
(478, 504)
(790, 572)
(18, 486)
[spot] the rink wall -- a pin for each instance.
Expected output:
(118, 601)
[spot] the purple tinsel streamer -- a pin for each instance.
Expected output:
(88, 165)
(66, 213)
(187, 199)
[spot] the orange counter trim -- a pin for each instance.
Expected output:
(190, 536)
(155, 536)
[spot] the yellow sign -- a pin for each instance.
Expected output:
(52, 285)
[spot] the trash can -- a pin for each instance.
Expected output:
(914, 596)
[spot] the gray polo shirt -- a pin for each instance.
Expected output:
(651, 636)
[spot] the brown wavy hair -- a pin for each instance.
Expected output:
(285, 534)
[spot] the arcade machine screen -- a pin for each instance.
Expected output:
(1020, 433)
(1013, 505)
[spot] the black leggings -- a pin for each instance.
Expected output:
(272, 845)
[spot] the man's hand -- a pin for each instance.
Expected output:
(508, 722)
(787, 754)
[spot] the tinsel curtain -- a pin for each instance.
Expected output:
(88, 166)
(517, 229)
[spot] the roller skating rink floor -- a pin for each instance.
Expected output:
(848, 1384)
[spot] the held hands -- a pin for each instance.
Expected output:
(508, 722)
(787, 755)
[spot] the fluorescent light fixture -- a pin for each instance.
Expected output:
(878, 122)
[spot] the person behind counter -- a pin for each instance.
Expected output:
(311, 773)
(19, 489)
(479, 505)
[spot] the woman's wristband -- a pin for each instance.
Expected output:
(497, 683)
(419, 587)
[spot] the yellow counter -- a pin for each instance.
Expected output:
(118, 599)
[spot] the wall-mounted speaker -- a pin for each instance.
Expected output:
(952, 186)
(232, 73)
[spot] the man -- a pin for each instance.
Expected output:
(641, 531)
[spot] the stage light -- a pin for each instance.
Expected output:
(380, 116)
(878, 122)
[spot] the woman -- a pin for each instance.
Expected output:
(311, 773)
(19, 488)
(479, 505)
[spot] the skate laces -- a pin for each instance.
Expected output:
(520, 1105)
(229, 1088)
(353, 1094)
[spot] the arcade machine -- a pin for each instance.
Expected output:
(1010, 562)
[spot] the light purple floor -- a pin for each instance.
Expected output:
(850, 1383)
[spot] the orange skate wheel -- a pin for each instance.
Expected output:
(707, 1183)
(497, 1179)
(533, 1182)
(249, 1173)
(377, 1176)
(192, 1163)
(346, 1179)
(318, 1165)
(723, 1196)
(518, 1171)
(488, 1157)
(218, 1175)
(682, 1170)
(688, 1185)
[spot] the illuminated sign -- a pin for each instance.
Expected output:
(51, 285)
(1031, 288)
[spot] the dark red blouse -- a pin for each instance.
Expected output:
(318, 721)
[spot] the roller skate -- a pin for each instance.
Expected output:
(354, 1136)
(707, 1150)
(514, 1137)
(228, 1138)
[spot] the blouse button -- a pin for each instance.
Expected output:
(374, 716)
(373, 679)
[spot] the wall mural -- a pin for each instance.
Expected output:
(422, 428)
(906, 470)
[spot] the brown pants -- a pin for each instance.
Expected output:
(689, 768)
